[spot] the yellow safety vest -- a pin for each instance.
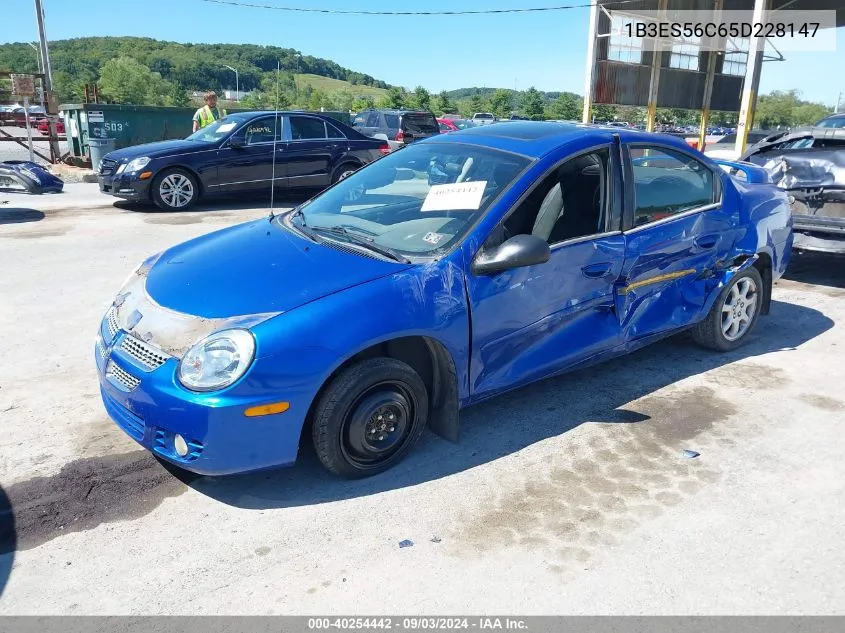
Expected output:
(207, 116)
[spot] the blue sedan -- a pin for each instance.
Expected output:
(241, 153)
(447, 272)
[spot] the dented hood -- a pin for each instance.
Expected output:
(237, 277)
(253, 268)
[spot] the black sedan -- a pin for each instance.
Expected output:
(240, 153)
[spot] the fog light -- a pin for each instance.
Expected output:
(180, 445)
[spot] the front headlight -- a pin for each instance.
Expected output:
(137, 164)
(217, 361)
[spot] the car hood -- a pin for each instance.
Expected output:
(255, 268)
(159, 148)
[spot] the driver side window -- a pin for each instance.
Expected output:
(570, 202)
(261, 131)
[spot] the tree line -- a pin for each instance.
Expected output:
(144, 71)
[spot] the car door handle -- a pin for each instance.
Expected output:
(706, 242)
(596, 271)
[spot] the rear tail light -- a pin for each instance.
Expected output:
(384, 149)
(400, 136)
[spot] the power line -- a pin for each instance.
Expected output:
(254, 5)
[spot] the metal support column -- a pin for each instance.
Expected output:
(709, 78)
(654, 84)
(47, 82)
(591, 62)
(753, 69)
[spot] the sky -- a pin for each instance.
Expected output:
(545, 50)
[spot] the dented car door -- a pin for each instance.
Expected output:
(676, 233)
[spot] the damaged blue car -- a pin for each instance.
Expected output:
(447, 272)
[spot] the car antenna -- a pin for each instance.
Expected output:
(275, 137)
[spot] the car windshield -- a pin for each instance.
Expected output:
(464, 124)
(417, 200)
(217, 131)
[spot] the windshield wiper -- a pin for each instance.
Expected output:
(362, 240)
(297, 221)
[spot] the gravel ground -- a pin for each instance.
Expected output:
(569, 496)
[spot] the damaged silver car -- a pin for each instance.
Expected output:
(809, 163)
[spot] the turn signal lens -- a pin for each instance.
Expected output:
(145, 175)
(267, 409)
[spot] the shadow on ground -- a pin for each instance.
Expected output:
(514, 421)
(220, 205)
(817, 269)
(17, 215)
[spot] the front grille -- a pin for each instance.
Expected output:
(149, 356)
(107, 166)
(121, 378)
(101, 349)
(111, 323)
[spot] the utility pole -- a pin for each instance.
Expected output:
(838, 101)
(47, 81)
(237, 85)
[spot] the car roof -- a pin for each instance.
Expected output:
(537, 138)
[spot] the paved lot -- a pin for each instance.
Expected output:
(13, 151)
(569, 496)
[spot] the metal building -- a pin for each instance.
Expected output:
(717, 73)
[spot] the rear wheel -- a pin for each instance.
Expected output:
(175, 190)
(344, 171)
(369, 417)
(734, 314)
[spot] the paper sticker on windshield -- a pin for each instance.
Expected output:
(433, 238)
(226, 127)
(454, 197)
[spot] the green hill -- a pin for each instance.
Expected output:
(328, 84)
(181, 66)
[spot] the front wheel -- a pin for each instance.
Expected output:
(369, 417)
(175, 190)
(734, 315)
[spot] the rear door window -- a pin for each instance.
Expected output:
(667, 182)
(420, 124)
(333, 132)
(303, 128)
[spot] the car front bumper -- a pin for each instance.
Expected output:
(152, 407)
(126, 187)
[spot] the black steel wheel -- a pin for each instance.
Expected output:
(369, 417)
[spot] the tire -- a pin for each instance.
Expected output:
(342, 171)
(733, 315)
(351, 431)
(178, 182)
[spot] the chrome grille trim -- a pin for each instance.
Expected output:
(121, 378)
(147, 355)
(101, 349)
(111, 322)
(107, 166)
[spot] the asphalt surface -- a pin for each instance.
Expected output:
(568, 496)
(13, 151)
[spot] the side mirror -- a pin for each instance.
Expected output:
(237, 141)
(517, 252)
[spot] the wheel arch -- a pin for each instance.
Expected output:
(430, 359)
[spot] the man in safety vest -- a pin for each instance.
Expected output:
(209, 113)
